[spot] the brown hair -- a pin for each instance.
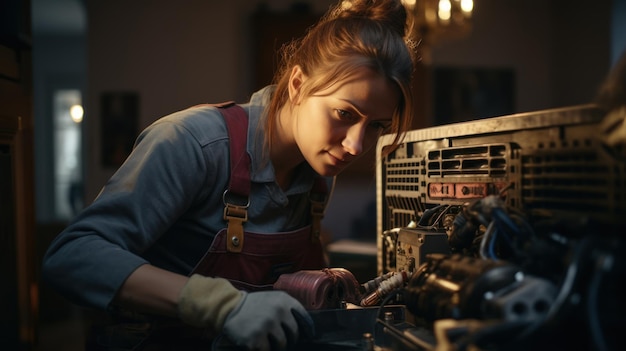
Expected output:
(352, 34)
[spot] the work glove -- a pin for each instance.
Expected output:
(268, 320)
(265, 320)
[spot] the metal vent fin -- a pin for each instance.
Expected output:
(484, 160)
(560, 180)
(401, 211)
(403, 176)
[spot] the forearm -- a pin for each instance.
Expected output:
(153, 290)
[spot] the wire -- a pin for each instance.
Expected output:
(500, 215)
(506, 226)
(431, 212)
(428, 214)
(603, 264)
(492, 245)
(486, 240)
(388, 298)
(381, 307)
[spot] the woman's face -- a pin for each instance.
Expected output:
(335, 126)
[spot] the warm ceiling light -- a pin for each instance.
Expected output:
(467, 6)
(436, 20)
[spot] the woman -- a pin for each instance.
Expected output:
(178, 233)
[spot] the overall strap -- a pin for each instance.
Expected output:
(237, 197)
(318, 198)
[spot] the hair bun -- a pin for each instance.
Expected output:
(389, 13)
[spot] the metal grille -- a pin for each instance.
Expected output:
(403, 175)
(572, 181)
(485, 160)
(401, 211)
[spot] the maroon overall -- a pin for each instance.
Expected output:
(254, 261)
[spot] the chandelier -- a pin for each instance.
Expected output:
(437, 20)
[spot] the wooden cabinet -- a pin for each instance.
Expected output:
(18, 291)
(18, 288)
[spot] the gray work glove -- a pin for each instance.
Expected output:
(265, 320)
(268, 320)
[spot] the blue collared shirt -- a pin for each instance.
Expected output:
(164, 205)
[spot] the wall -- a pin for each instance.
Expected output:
(19, 289)
(59, 62)
(174, 54)
(558, 52)
(177, 54)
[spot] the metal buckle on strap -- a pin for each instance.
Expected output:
(236, 215)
